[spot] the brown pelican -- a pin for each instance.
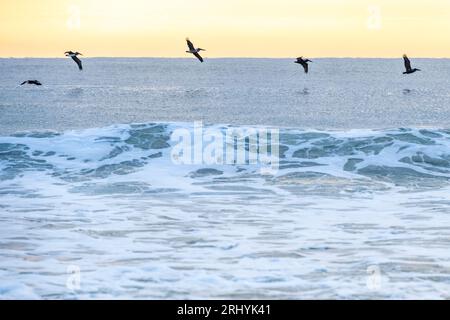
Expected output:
(35, 82)
(74, 57)
(193, 50)
(408, 66)
(303, 63)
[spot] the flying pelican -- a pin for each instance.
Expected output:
(193, 50)
(74, 57)
(408, 66)
(35, 82)
(303, 63)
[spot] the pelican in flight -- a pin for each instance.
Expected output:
(303, 63)
(74, 57)
(193, 50)
(35, 82)
(409, 70)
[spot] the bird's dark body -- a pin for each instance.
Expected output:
(303, 63)
(74, 57)
(411, 71)
(34, 82)
(408, 68)
(193, 50)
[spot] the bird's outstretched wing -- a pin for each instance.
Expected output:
(199, 57)
(78, 61)
(23, 83)
(407, 63)
(305, 67)
(190, 44)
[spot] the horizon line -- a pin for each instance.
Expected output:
(210, 58)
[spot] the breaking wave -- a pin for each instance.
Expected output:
(401, 157)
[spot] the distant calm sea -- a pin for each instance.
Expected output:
(359, 208)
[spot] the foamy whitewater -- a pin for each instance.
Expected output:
(95, 207)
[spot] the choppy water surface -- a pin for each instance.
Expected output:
(337, 93)
(349, 214)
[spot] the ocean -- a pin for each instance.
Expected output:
(94, 203)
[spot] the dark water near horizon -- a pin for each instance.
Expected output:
(337, 94)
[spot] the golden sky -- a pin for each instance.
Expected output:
(226, 28)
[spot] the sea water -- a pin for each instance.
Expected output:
(93, 205)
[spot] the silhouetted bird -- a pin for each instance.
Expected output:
(193, 50)
(35, 82)
(408, 66)
(303, 63)
(74, 57)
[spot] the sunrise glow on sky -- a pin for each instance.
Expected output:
(232, 28)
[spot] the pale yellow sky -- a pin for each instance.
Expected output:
(226, 28)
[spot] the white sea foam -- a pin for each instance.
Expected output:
(111, 202)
